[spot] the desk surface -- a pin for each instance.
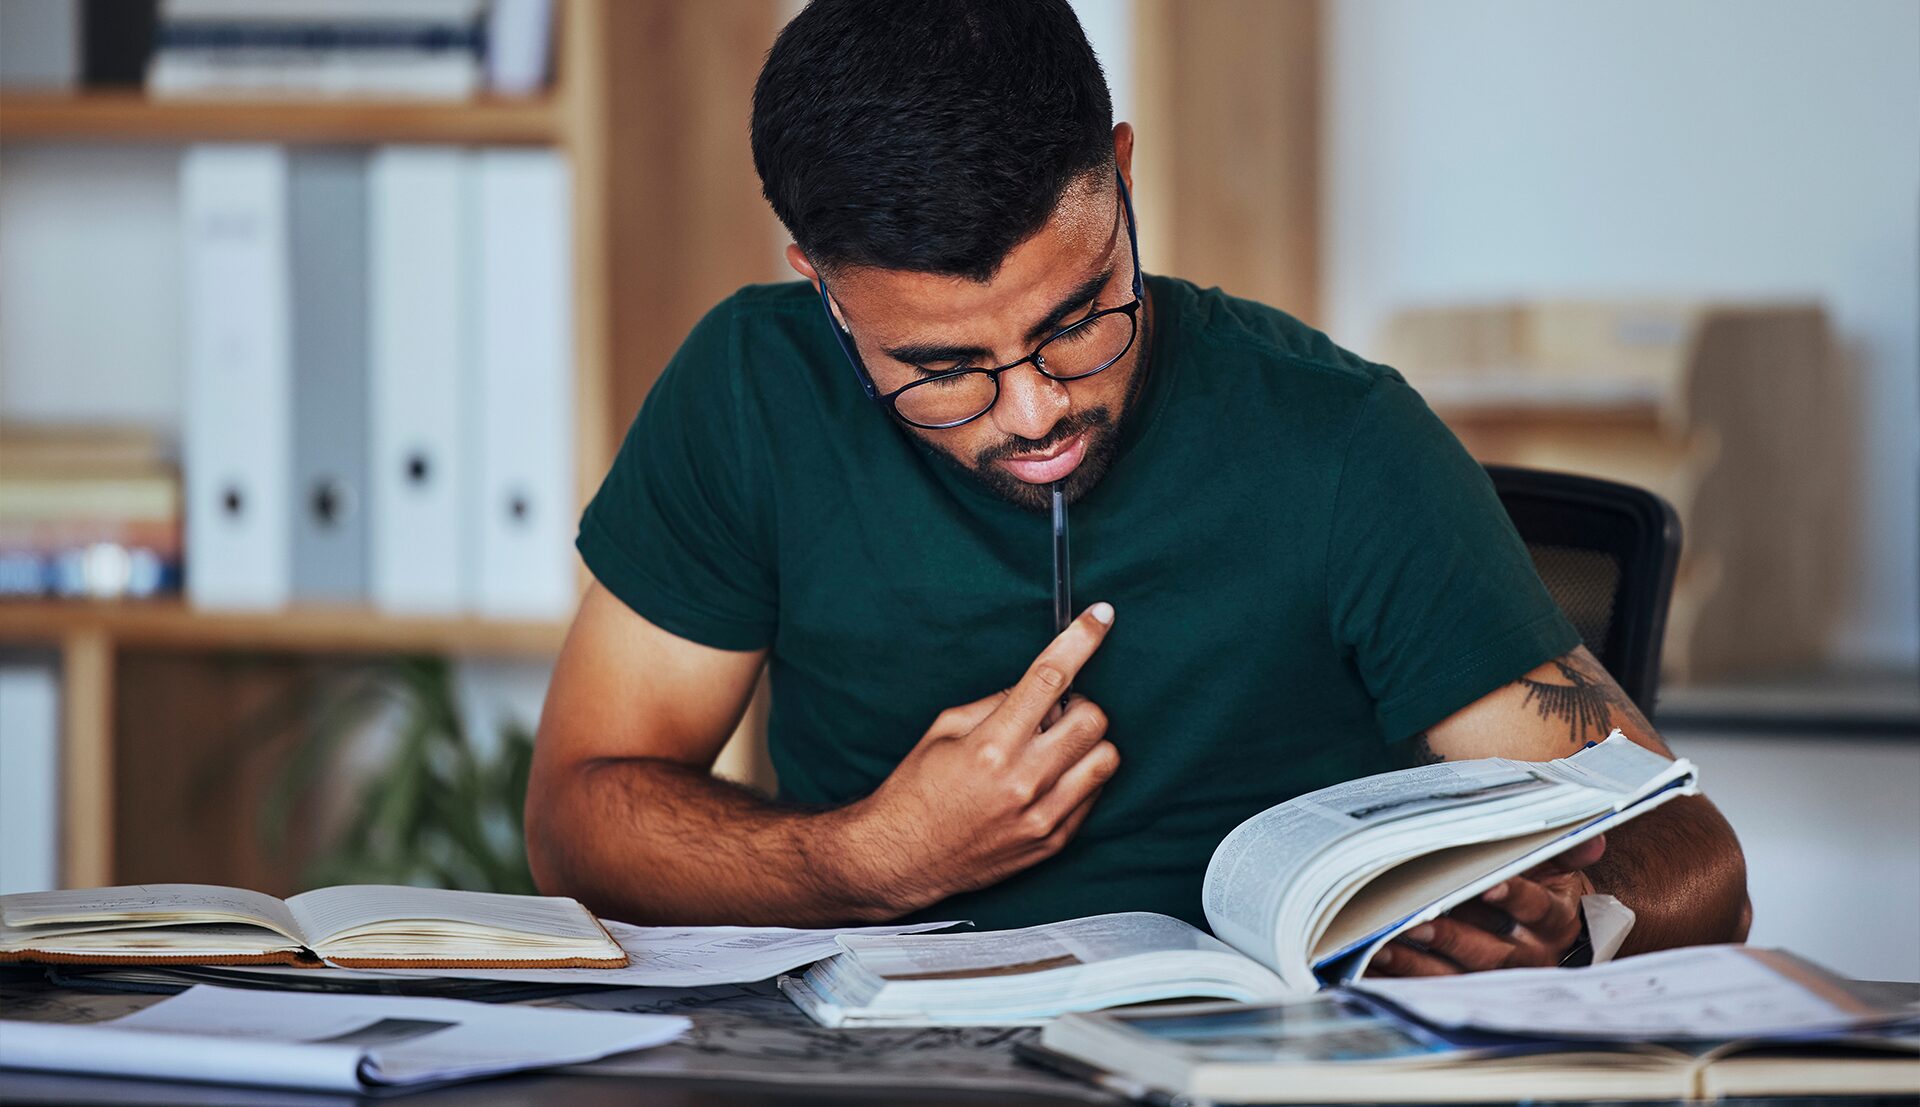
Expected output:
(749, 1047)
(738, 1031)
(513, 1091)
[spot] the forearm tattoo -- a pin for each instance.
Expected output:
(1423, 751)
(1590, 703)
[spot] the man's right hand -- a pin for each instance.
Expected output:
(993, 787)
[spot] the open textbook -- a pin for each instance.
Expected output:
(332, 1043)
(1300, 895)
(366, 925)
(688, 956)
(1696, 1023)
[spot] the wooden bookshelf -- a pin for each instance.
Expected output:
(135, 117)
(649, 104)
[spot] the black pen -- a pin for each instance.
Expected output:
(1062, 571)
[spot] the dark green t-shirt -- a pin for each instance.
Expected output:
(1306, 567)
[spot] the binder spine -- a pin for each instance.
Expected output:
(329, 235)
(525, 502)
(419, 257)
(237, 443)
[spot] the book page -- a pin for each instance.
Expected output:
(1432, 884)
(1261, 858)
(1262, 861)
(1616, 765)
(86, 909)
(1033, 949)
(689, 956)
(1702, 992)
(1401, 891)
(329, 914)
(160, 941)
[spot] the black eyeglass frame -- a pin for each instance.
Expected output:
(891, 400)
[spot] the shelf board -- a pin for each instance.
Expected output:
(172, 624)
(133, 116)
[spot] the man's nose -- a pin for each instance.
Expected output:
(1030, 402)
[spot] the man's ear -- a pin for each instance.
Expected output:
(801, 265)
(1123, 152)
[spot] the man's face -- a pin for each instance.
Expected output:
(1040, 430)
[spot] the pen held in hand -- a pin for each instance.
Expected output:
(1062, 571)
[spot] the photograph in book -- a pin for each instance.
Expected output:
(356, 925)
(1298, 896)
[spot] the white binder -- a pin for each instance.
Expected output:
(327, 228)
(525, 503)
(29, 778)
(238, 450)
(421, 390)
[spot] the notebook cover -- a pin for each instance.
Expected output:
(300, 959)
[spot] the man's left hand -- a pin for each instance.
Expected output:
(1527, 921)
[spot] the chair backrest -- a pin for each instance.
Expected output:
(1607, 553)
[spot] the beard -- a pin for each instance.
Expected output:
(1102, 443)
(1103, 429)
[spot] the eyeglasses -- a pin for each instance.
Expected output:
(958, 396)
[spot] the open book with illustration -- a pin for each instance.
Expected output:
(359, 925)
(1300, 895)
(1697, 1023)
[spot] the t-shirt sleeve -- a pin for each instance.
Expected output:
(678, 529)
(1429, 587)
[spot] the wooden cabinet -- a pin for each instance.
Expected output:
(1737, 413)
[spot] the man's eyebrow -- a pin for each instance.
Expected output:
(929, 353)
(1080, 297)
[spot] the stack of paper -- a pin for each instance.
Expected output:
(347, 1043)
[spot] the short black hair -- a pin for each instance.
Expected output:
(927, 135)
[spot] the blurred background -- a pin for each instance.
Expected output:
(320, 319)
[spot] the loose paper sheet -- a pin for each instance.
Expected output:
(692, 956)
(1704, 992)
(1608, 923)
(1050, 945)
(332, 1042)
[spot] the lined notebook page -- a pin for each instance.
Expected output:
(327, 912)
(146, 903)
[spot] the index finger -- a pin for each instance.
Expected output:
(1047, 678)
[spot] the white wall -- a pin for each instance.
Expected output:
(1831, 830)
(1500, 148)
(1108, 25)
(89, 285)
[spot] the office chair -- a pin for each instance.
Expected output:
(1607, 553)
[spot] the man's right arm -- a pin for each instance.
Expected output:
(624, 814)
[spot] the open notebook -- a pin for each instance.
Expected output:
(356, 925)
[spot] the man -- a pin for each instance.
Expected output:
(1302, 577)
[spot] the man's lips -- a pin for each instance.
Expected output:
(1051, 466)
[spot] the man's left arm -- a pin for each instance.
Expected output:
(1679, 866)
